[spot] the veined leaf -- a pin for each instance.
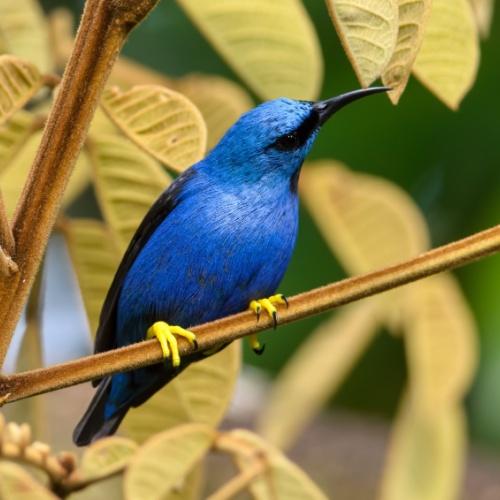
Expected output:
(483, 12)
(24, 32)
(17, 484)
(413, 15)
(271, 45)
(13, 177)
(31, 410)
(161, 121)
(95, 260)
(281, 479)
(368, 31)
(165, 460)
(200, 394)
(426, 456)
(440, 342)
(127, 183)
(106, 457)
(19, 82)
(449, 55)
(220, 101)
(330, 351)
(368, 222)
(13, 136)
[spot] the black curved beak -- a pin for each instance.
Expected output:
(330, 106)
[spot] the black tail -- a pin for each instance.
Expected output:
(93, 424)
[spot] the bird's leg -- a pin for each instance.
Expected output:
(269, 305)
(165, 334)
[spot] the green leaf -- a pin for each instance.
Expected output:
(24, 32)
(330, 351)
(368, 221)
(200, 394)
(165, 460)
(426, 456)
(13, 177)
(220, 101)
(13, 136)
(413, 15)
(280, 479)
(368, 31)
(95, 260)
(16, 483)
(441, 345)
(127, 182)
(19, 82)
(448, 59)
(162, 122)
(106, 457)
(271, 45)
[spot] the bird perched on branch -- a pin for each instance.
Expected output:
(218, 240)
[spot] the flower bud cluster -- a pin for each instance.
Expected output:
(16, 444)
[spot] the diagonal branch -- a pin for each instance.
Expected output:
(104, 27)
(225, 330)
(6, 237)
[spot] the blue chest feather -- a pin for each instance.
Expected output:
(217, 250)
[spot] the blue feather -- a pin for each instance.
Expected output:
(220, 236)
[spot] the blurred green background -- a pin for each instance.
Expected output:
(447, 161)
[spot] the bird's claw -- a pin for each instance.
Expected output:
(165, 334)
(269, 305)
(256, 346)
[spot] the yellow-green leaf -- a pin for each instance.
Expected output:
(440, 342)
(94, 259)
(330, 352)
(19, 82)
(161, 121)
(127, 182)
(165, 460)
(483, 12)
(368, 31)
(271, 45)
(13, 177)
(24, 32)
(368, 221)
(106, 457)
(16, 483)
(426, 456)
(200, 394)
(449, 55)
(220, 101)
(32, 411)
(413, 15)
(281, 479)
(13, 136)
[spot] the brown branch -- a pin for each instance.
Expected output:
(239, 482)
(6, 237)
(104, 27)
(210, 335)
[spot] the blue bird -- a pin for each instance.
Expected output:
(216, 241)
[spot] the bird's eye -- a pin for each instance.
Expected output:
(287, 142)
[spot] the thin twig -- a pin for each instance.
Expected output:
(7, 266)
(6, 237)
(225, 330)
(239, 482)
(104, 27)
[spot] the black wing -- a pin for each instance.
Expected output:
(168, 200)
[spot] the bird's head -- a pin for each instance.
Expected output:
(274, 138)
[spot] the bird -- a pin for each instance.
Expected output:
(217, 241)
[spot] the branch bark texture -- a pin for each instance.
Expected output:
(225, 330)
(103, 29)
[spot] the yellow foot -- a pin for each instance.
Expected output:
(165, 334)
(269, 305)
